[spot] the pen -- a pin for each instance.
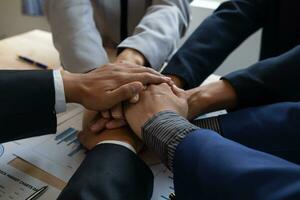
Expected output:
(38, 193)
(30, 61)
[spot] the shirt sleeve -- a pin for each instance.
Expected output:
(163, 132)
(157, 34)
(60, 100)
(75, 34)
(124, 144)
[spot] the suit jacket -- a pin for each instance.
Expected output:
(271, 128)
(208, 166)
(78, 27)
(27, 103)
(225, 30)
(110, 172)
(245, 163)
(268, 81)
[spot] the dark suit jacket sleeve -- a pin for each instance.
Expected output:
(271, 128)
(208, 166)
(272, 80)
(215, 39)
(110, 172)
(27, 104)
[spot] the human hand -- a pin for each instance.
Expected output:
(115, 114)
(154, 99)
(211, 97)
(109, 85)
(179, 82)
(131, 56)
(90, 139)
(93, 121)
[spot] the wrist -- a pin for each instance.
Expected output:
(132, 56)
(215, 96)
(71, 86)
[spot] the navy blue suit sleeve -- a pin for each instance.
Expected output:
(271, 80)
(208, 166)
(110, 172)
(215, 39)
(271, 128)
(27, 104)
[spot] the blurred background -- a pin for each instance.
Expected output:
(13, 22)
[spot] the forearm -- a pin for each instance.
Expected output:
(159, 31)
(215, 39)
(75, 34)
(28, 99)
(268, 81)
(208, 163)
(211, 97)
(110, 172)
(132, 56)
(163, 132)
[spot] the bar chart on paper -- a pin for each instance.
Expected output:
(60, 155)
(69, 137)
(163, 182)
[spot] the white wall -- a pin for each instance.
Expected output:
(12, 22)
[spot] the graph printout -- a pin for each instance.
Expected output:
(60, 155)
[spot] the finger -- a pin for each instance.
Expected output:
(117, 112)
(177, 91)
(88, 118)
(148, 78)
(125, 92)
(134, 99)
(106, 114)
(131, 68)
(142, 69)
(113, 124)
(98, 125)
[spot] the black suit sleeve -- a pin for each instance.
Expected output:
(215, 39)
(27, 101)
(269, 81)
(110, 172)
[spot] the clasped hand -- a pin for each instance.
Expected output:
(153, 99)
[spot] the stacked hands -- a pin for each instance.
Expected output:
(121, 97)
(127, 95)
(152, 99)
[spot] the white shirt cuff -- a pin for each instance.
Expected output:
(60, 100)
(124, 144)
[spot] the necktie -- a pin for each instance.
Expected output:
(124, 19)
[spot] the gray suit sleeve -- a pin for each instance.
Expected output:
(158, 33)
(75, 34)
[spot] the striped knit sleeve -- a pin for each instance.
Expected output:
(163, 132)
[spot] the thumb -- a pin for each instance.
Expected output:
(125, 92)
(177, 91)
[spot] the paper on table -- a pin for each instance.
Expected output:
(163, 182)
(60, 155)
(14, 184)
